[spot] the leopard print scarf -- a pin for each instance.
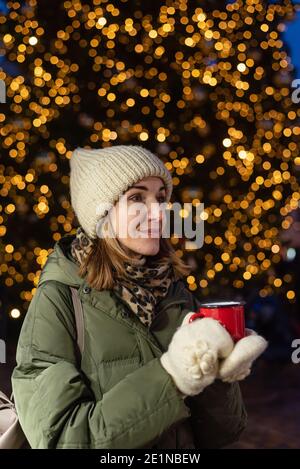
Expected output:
(144, 284)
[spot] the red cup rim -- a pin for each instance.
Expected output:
(222, 304)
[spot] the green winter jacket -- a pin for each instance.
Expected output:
(119, 396)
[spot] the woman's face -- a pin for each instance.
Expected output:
(137, 217)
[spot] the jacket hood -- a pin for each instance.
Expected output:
(60, 265)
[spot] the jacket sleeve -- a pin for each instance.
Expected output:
(218, 414)
(55, 404)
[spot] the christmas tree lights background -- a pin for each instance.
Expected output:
(207, 86)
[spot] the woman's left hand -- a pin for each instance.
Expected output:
(238, 364)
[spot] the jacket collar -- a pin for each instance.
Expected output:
(60, 265)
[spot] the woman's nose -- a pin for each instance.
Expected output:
(155, 212)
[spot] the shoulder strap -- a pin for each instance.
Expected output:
(79, 330)
(78, 318)
(5, 402)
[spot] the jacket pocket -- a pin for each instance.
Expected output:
(113, 371)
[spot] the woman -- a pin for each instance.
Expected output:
(147, 378)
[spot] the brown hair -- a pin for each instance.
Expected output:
(108, 254)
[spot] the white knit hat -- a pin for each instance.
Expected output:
(98, 177)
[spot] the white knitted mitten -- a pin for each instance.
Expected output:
(193, 353)
(238, 364)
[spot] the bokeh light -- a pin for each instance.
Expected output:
(207, 87)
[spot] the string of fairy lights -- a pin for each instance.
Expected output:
(207, 87)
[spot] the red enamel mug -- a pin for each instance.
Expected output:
(230, 314)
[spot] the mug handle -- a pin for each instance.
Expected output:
(195, 316)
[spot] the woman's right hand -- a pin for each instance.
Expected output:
(192, 358)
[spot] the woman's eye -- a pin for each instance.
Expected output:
(135, 197)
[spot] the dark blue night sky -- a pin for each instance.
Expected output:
(292, 37)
